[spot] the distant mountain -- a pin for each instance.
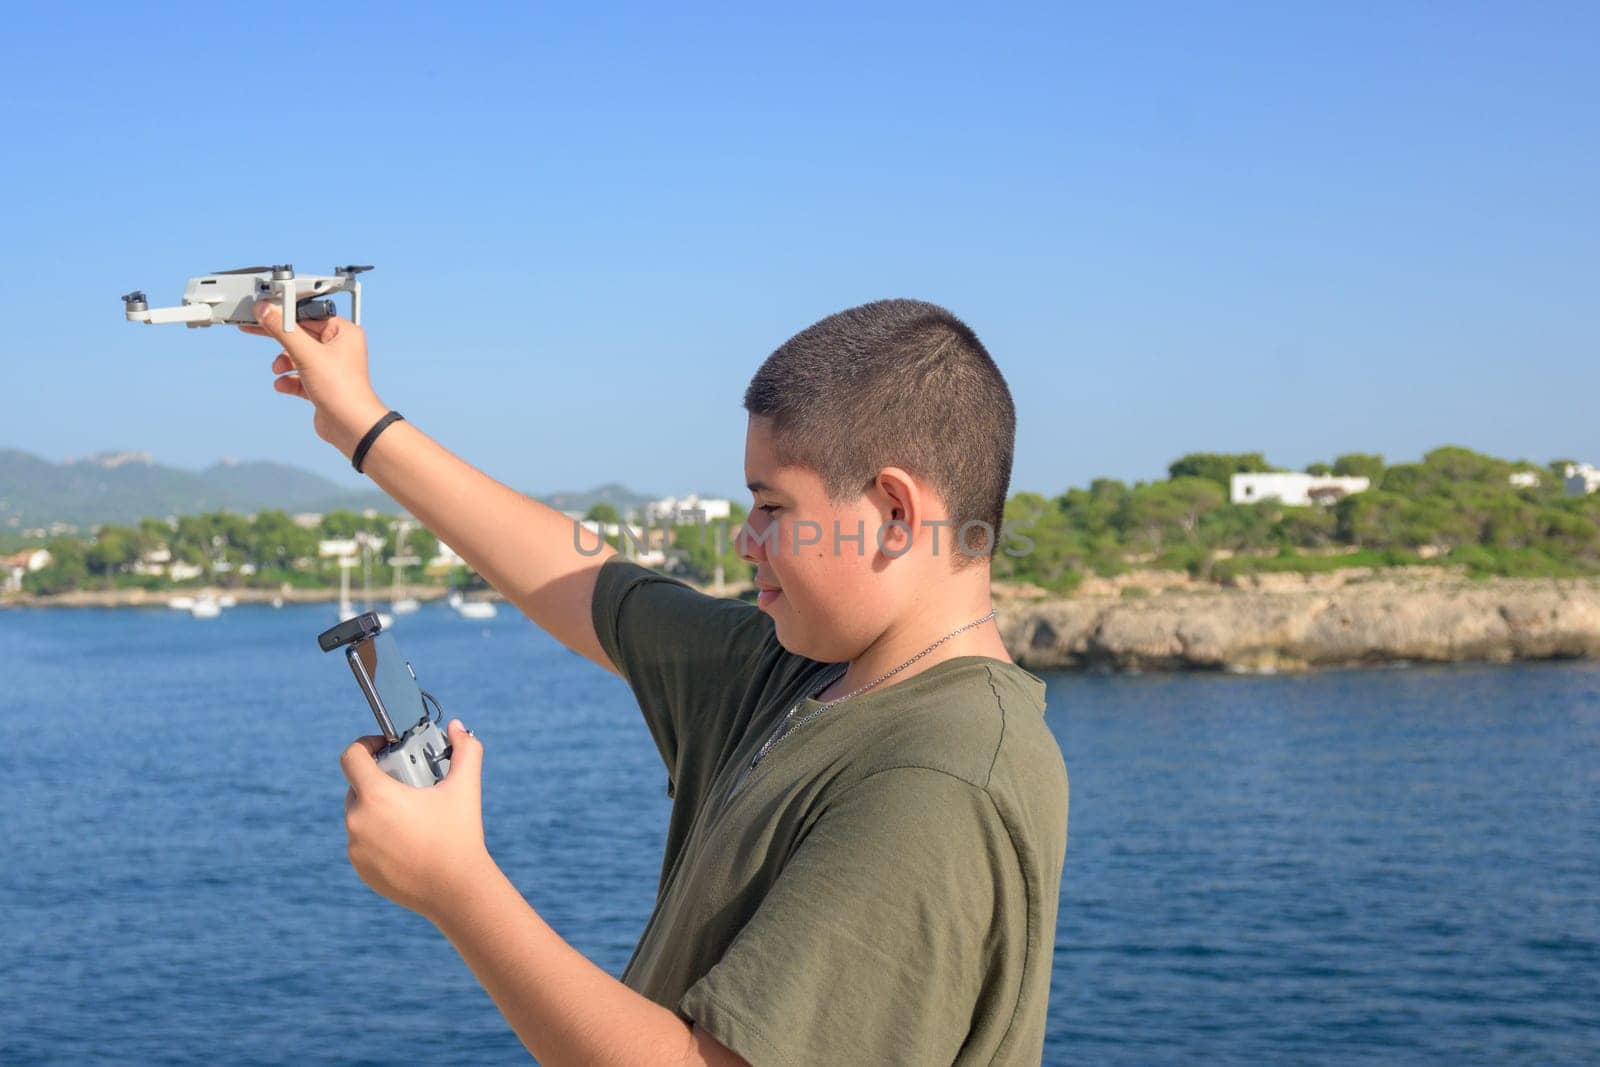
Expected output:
(618, 496)
(110, 487)
(124, 487)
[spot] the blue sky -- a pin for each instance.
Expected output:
(1291, 228)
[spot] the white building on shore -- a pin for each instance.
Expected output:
(14, 568)
(338, 548)
(1581, 479)
(674, 509)
(1293, 488)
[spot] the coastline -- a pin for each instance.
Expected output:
(147, 598)
(1166, 621)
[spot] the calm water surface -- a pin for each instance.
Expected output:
(1400, 866)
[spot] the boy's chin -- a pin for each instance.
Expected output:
(797, 641)
(788, 635)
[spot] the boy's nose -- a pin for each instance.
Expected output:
(749, 544)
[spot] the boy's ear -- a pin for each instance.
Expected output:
(899, 491)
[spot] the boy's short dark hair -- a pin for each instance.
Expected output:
(895, 383)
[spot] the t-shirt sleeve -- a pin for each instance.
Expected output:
(685, 654)
(876, 942)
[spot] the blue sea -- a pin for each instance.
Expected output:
(1388, 867)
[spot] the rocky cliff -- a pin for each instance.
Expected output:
(1299, 624)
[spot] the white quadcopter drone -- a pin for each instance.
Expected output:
(228, 297)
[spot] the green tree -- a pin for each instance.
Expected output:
(154, 533)
(1307, 527)
(1373, 519)
(1406, 479)
(1243, 527)
(1091, 512)
(1160, 512)
(337, 525)
(1360, 465)
(699, 547)
(68, 568)
(421, 543)
(1570, 530)
(1039, 544)
(1452, 463)
(602, 512)
(1512, 522)
(276, 541)
(1219, 467)
(1434, 522)
(114, 547)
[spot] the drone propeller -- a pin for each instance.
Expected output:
(243, 270)
(351, 269)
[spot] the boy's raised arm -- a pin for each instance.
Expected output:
(523, 548)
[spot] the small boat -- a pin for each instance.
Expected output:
(205, 607)
(277, 601)
(227, 600)
(476, 609)
(347, 610)
(399, 602)
(181, 603)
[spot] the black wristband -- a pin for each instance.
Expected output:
(378, 427)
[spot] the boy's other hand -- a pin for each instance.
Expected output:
(420, 847)
(324, 362)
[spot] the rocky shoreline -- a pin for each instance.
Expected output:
(1300, 624)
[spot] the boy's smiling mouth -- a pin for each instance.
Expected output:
(766, 594)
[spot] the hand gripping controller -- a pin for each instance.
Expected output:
(420, 756)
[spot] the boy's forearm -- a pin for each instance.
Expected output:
(523, 548)
(565, 1009)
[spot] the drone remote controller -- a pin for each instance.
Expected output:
(229, 297)
(420, 755)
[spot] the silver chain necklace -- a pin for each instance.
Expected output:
(786, 728)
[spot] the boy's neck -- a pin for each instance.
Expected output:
(919, 628)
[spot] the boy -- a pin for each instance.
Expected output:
(869, 818)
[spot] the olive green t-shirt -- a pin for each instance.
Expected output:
(882, 887)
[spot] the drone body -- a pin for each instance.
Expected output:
(229, 297)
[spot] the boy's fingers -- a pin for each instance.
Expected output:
(360, 769)
(290, 385)
(332, 327)
(322, 329)
(466, 755)
(299, 344)
(283, 364)
(256, 330)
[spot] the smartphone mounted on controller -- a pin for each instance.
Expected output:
(417, 751)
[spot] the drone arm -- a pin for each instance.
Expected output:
(183, 313)
(286, 310)
(355, 302)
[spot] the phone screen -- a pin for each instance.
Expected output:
(390, 686)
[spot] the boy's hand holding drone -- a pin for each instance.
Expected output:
(326, 363)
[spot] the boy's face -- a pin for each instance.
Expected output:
(827, 599)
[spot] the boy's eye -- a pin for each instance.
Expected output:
(768, 508)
